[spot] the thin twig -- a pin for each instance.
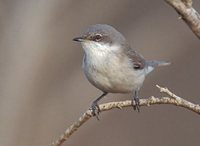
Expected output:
(187, 13)
(172, 99)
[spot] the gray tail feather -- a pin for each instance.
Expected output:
(155, 63)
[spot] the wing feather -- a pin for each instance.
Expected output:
(137, 59)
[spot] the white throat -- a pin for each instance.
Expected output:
(98, 49)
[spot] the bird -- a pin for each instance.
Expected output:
(111, 65)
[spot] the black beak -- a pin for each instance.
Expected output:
(78, 39)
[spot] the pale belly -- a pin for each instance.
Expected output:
(113, 77)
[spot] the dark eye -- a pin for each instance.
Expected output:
(136, 66)
(97, 37)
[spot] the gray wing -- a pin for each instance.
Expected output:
(138, 60)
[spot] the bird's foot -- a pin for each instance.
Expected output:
(95, 109)
(137, 103)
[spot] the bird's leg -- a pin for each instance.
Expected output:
(95, 107)
(137, 101)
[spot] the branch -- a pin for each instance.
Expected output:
(172, 99)
(187, 13)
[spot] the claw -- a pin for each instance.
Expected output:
(95, 107)
(137, 102)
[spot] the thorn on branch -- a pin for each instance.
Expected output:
(119, 107)
(180, 17)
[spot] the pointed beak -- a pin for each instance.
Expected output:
(78, 39)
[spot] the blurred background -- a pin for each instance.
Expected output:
(43, 89)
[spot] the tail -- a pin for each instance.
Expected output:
(155, 63)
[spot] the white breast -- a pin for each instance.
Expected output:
(109, 71)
